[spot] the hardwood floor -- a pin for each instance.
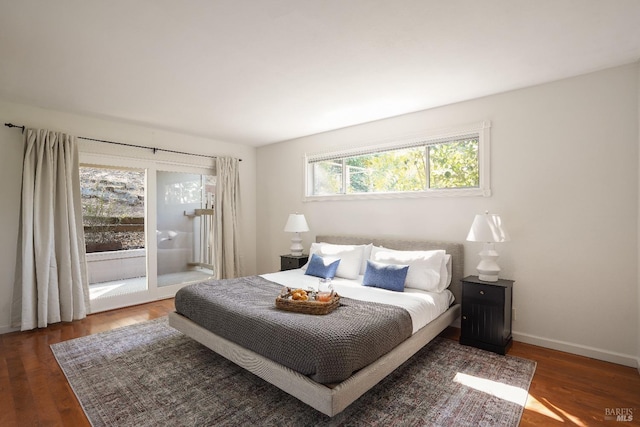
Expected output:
(574, 390)
(566, 389)
(33, 389)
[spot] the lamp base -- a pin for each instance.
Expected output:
(296, 245)
(488, 268)
(487, 277)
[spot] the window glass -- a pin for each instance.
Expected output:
(422, 166)
(327, 177)
(454, 164)
(112, 208)
(396, 170)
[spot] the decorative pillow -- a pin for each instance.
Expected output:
(322, 267)
(350, 257)
(425, 266)
(385, 276)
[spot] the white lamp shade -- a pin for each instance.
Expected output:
(488, 228)
(296, 224)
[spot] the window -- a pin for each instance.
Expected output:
(450, 163)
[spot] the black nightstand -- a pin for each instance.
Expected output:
(289, 262)
(486, 314)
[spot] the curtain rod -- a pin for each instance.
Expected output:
(155, 150)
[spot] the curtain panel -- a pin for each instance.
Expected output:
(51, 277)
(227, 259)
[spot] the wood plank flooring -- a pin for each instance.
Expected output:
(573, 390)
(566, 389)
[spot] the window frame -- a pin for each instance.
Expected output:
(480, 130)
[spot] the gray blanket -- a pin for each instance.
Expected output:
(327, 348)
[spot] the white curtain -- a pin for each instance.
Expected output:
(51, 276)
(227, 259)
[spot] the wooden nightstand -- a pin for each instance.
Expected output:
(289, 262)
(486, 314)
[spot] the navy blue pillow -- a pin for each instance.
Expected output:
(385, 276)
(322, 267)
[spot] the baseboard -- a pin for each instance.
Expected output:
(5, 329)
(582, 350)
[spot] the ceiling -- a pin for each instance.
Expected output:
(261, 71)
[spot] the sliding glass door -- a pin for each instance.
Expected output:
(148, 228)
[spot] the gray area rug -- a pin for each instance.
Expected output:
(149, 374)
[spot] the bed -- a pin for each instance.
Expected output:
(332, 397)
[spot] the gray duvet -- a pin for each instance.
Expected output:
(327, 348)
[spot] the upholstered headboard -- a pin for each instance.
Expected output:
(456, 250)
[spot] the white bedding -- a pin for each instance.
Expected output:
(422, 306)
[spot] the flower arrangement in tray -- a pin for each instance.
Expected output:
(307, 301)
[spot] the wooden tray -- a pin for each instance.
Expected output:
(284, 302)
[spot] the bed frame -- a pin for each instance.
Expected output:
(332, 399)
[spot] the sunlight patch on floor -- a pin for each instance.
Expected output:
(552, 411)
(519, 396)
(138, 284)
(117, 287)
(535, 405)
(98, 291)
(503, 391)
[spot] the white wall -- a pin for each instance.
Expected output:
(564, 171)
(11, 146)
(638, 260)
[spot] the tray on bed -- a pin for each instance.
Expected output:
(311, 306)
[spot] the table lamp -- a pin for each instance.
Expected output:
(296, 224)
(488, 228)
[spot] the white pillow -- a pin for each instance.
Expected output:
(314, 249)
(424, 266)
(445, 273)
(352, 260)
(366, 255)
